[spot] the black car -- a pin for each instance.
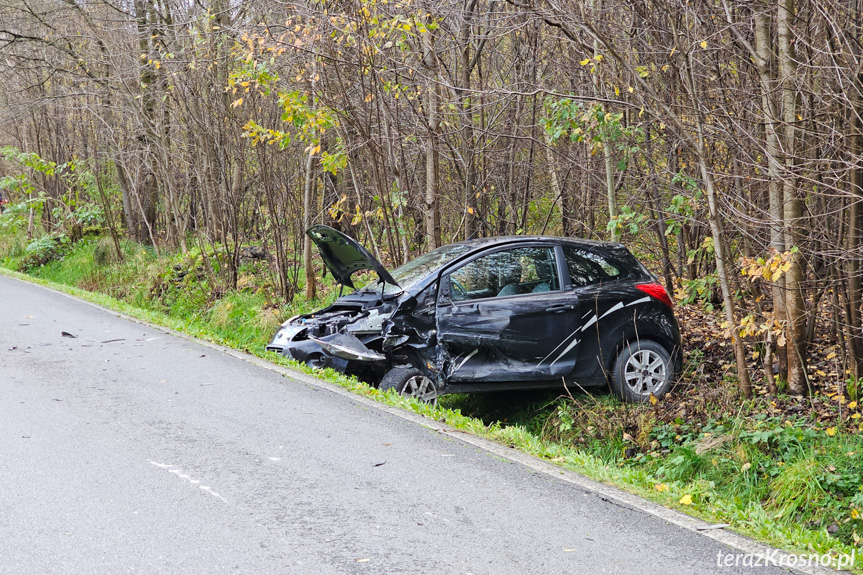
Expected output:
(491, 314)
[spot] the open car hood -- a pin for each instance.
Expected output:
(344, 256)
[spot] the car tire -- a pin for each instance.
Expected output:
(410, 382)
(642, 368)
(315, 360)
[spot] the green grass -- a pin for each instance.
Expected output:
(783, 481)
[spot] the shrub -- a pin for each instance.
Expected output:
(45, 249)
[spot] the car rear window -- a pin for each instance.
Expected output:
(586, 267)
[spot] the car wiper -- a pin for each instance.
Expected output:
(393, 296)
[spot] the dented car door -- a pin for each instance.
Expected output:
(504, 317)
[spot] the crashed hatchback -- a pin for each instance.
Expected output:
(490, 314)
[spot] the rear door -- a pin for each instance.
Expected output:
(503, 316)
(607, 299)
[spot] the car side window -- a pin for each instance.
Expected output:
(586, 268)
(516, 271)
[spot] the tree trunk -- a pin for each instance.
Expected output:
(762, 58)
(432, 213)
(607, 153)
(147, 188)
(793, 206)
(854, 241)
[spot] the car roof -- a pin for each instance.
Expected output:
(503, 240)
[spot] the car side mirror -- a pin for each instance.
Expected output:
(443, 295)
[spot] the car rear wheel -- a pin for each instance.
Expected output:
(642, 368)
(410, 382)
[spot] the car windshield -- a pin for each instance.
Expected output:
(418, 268)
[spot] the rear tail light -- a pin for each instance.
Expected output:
(656, 290)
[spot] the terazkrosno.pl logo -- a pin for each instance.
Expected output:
(776, 558)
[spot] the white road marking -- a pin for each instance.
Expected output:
(187, 478)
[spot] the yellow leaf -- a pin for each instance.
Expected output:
(686, 500)
(653, 399)
(237, 102)
(852, 405)
(631, 89)
(704, 44)
(831, 431)
(585, 62)
(855, 416)
(661, 487)
(470, 210)
(855, 514)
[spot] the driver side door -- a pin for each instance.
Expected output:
(504, 317)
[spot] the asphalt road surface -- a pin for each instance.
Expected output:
(130, 450)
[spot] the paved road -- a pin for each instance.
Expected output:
(130, 450)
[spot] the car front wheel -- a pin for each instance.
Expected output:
(642, 368)
(410, 382)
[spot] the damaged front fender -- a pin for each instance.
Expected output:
(347, 346)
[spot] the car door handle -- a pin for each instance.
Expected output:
(560, 308)
(465, 310)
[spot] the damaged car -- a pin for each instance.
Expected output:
(488, 314)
